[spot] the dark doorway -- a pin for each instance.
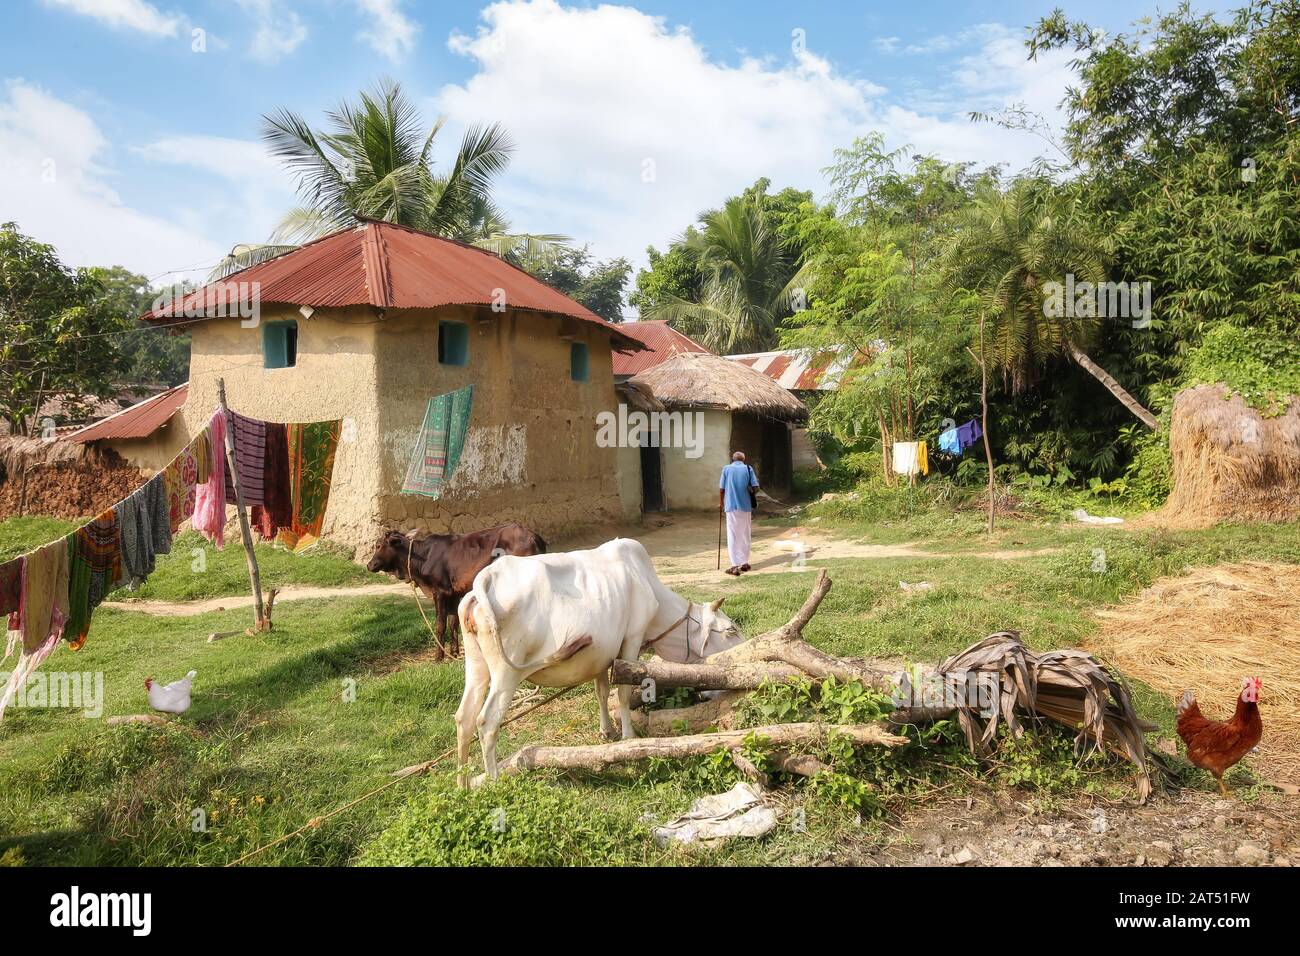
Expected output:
(652, 480)
(776, 466)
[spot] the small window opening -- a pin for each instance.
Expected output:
(453, 343)
(279, 344)
(578, 361)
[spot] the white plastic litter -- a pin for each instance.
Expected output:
(1081, 515)
(740, 812)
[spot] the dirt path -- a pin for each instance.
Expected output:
(683, 546)
(290, 592)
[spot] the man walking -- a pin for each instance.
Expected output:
(734, 497)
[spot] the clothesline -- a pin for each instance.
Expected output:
(284, 470)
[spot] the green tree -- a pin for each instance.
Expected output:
(150, 355)
(747, 272)
(597, 285)
(674, 274)
(57, 331)
(1012, 244)
(375, 161)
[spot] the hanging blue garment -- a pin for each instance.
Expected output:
(968, 434)
(948, 442)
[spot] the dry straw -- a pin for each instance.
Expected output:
(1231, 463)
(691, 380)
(1207, 629)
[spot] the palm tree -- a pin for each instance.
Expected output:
(1010, 247)
(375, 162)
(747, 285)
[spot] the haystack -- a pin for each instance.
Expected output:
(1207, 629)
(1231, 463)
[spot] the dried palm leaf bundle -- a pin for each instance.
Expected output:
(1070, 687)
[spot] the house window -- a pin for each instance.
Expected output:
(453, 343)
(279, 344)
(578, 361)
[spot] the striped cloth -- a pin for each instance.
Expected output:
(249, 435)
(441, 440)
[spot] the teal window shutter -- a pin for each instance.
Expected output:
(453, 343)
(279, 344)
(579, 362)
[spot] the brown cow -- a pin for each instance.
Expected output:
(444, 566)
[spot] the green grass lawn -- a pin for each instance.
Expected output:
(273, 738)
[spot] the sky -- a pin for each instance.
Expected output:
(129, 129)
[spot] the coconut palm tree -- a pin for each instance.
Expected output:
(747, 286)
(376, 162)
(1010, 246)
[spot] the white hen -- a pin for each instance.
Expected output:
(171, 698)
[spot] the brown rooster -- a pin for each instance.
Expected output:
(1216, 745)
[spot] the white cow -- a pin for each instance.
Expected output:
(562, 619)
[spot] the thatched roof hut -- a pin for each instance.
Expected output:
(717, 407)
(1229, 462)
(691, 380)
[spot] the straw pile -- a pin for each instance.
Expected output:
(1206, 630)
(1229, 462)
(705, 380)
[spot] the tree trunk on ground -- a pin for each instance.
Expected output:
(599, 756)
(1114, 387)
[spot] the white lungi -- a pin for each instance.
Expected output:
(738, 534)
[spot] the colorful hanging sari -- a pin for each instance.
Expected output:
(311, 449)
(441, 441)
(210, 498)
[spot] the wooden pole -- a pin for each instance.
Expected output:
(982, 360)
(260, 623)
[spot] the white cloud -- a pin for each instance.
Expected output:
(279, 30)
(55, 184)
(124, 14)
(391, 33)
(627, 129)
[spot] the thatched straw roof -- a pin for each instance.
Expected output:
(638, 397)
(704, 380)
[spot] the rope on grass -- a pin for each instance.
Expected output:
(406, 774)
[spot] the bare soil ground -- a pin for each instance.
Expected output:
(1000, 828)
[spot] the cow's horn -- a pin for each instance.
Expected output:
(716, 604)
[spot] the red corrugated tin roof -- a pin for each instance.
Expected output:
(138, 421)
(801, 369)
(661, 342)
(394, 267)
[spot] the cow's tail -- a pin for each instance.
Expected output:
(477, 617)
(540, 542)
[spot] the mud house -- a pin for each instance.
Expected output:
(369, 323)
(714, 407)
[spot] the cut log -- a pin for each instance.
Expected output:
(716, 714)
(667, 675)
(600, 756)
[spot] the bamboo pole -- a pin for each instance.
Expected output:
(260, 623)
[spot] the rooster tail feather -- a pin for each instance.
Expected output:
(193, 674)
(1188, 700)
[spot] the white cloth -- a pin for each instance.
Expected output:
(905, 458)
(739, 529)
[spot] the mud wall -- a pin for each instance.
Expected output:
(79, 484)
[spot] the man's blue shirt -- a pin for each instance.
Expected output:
(737, 478)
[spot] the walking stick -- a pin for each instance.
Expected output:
(719, 538)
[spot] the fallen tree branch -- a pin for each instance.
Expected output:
(716, 714)
(600, 756)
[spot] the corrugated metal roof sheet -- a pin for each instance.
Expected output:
(393, 267)
(661, 342)
(138, 421)
(801, 369)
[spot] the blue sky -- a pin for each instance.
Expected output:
(129, 128)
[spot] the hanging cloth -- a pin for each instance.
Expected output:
(43, 613)
(180, 483)
(249, 436)
(905, 458)
(949, 442)
(96, 558)
(311, 449)
(922, 457)
(968, 434)
(144, 522)
(277, 510)
(210, 499)
(11, 585)
(440, 443)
